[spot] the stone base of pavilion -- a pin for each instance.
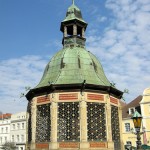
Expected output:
(71, 146)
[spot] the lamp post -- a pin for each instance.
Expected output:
(137, 119)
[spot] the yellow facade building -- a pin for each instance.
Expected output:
(142, 105)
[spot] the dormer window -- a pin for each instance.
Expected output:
(131, 110)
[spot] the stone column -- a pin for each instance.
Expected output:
(108, 123)
(120, 125)
(83, 31)
(74, 29)
(53, 144)
(83, 125)
(65, 31)
(33, 124)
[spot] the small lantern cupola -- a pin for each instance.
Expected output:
(73, 27)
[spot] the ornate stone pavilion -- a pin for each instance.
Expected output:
(74, 106)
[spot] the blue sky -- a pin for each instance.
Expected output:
(118, 34)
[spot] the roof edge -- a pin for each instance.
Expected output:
(80, 87)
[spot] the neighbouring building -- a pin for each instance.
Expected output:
(74, 106)
(142, 105)
(4, 128)
(18, 130)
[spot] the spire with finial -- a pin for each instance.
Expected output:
(73, 27)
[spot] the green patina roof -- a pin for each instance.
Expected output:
(74, 13)
(73, 65)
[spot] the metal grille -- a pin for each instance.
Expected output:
(96, 122)
(68, 122)
(115, 127)
(43, 123)
(29, 122)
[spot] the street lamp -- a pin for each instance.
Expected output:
(137, 119)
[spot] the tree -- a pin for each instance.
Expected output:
(9, 146)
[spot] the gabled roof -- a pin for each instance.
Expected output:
(133, 104)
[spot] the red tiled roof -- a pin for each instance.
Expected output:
(133, 104)
(5, 116)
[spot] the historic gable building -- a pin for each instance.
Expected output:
(5, 121)
(142, 105)
(74, 105)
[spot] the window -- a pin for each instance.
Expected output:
(68, 122)
(13, 140)
(5, 139)
(13, 126)
(6, 129)
(17, 138)
(131, 110)
(18, 125)
(2, 130)
(127, 127)
(43, 122)
(22, 125)
(22, 138)
(96, 122)
(129, 143)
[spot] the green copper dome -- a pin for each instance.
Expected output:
(71, 66)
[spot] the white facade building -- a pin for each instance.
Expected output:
(4, 128)
(18, 130)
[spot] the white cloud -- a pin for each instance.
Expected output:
(124, 48)
(101, 19)
(15, 75)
